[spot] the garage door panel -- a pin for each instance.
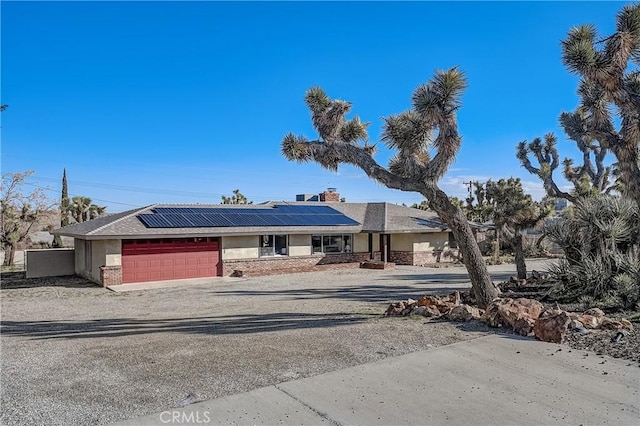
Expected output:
(159, 261)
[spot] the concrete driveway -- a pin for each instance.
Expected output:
(494, 380)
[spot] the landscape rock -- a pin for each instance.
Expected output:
(431, 311)
(428, 301)
(596, 312)
(552, 325)
(519, 314)
(609, 324)
(575, 324)
(453, 298)
(626, 324)
(588, 321)
(395, 309)
(418, 310)
(463, 313)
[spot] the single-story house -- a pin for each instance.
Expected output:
(165, 242)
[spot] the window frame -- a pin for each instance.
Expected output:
(284, 251)
(343, 242)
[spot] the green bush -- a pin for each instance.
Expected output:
(600, 239)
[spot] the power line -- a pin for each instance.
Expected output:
(74, 195)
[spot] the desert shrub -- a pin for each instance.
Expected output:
(600, 240)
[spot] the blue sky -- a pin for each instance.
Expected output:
(181, 102)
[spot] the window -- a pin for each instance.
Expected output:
(273, 245)
(332, 243)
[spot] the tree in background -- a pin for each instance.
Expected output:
(64, 209)
(431, 123)
(82, 209)
(20, 212)
(607, 83)
(513, 212)
(600, 235)
(236, 198)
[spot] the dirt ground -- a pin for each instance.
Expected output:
(75, 353)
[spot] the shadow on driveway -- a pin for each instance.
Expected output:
(219, 325)
(364, 293)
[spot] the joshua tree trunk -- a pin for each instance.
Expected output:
(484, 289)
(518, 249)
(496, 248)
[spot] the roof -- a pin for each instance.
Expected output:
(370, 217)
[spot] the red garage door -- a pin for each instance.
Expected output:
(170, 259)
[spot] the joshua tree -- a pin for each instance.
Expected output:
(513, 211)
(82, 209)
(96, 211)
(607, 83)
(236, 198)
(431, 123)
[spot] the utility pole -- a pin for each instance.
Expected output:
(469, 185)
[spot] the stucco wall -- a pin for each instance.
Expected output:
(104, 253)
(79, 257)
(242, 247)
(431, 241)
(361, 243)
(300, 245)
(402, 242)
(50, 263)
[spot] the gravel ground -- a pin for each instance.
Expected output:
(604, 342)
(74, 353)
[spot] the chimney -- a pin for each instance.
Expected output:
(330, 196)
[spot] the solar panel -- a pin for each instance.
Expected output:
(153, 221)
(280, 215)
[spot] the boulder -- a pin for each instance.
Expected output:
(491, 315)
(596, 312)
(626, 324)
(408, 307)
(431, 311)
(395, 309)
(552, 325)
(418, 310)
(609, 324)
(453, 298)
(463, 313)
(574, 324)
(514, 310)
(588, 321)
(428, 301)
(518, 314)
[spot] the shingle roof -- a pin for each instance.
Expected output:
(372, 217)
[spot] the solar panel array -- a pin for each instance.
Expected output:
(214, 217)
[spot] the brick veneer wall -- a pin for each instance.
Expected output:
(329, 196)
(420, 258)
(288, 264)
(110, 275)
